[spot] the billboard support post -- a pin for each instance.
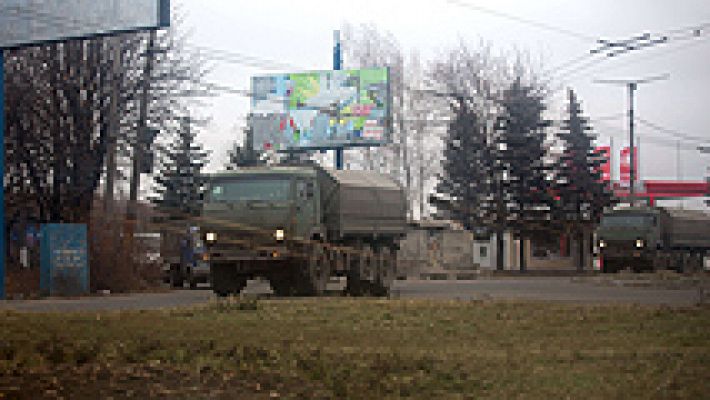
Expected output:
(337, 65)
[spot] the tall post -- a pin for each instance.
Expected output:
(632, 85)
(632, 156)
(2, 174)
(679, 171)
(142, 127)
(337, 65)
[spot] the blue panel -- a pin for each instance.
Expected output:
(2, 173)
(64, 260)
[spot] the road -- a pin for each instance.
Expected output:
(547, 289)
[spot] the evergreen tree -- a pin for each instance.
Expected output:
(519, 198)
(582, 193)
(179, 183)
(465, 168)
(244, 155)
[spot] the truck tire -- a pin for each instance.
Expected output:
(176, 278)
(226, 280)
(317, 272)
(611, 267)
(359, 273)
(282, 286)
(386, 264)
(364, 275)
(287, 283)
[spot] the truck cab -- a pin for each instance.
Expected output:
(629, 237)
(281, 200)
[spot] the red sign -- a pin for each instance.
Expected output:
(604, 153)
(625, 165)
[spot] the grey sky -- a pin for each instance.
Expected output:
(299, 33)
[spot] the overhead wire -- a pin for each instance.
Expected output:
(526, 21)
(672, 132)
(609, 130)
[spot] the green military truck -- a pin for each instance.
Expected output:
(300, 225)
(651, 238)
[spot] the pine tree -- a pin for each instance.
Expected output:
(578, 184)
(465, 169)
(179, 183)
(244, 155)
(519, 199)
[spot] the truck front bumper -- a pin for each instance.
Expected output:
(270, 253)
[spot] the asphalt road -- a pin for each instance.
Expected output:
(546, 289)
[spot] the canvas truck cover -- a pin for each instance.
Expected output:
(363, 203)
(687, 228)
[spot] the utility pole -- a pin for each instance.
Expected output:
(679, 172)
(142, 128)
(632, 85)
(337, 65)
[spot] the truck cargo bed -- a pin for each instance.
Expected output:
(363, 203)
(687, 228)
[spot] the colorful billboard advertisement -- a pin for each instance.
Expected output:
(625, 165)
(321, 109)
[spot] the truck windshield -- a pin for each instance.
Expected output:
(244, 189)
(624, 221)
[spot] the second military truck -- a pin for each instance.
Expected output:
(298, 225)
(650, 238)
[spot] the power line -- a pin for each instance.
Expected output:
(684, 36)
(241, 58)
(673, 132)
(530, 22)
(609, 130)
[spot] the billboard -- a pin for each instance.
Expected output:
(321, 109)
(25, 22)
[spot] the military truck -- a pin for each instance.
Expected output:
(300, 225)
(651, 238)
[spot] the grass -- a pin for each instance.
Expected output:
(360, 349)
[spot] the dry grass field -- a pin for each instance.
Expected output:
(359, 349)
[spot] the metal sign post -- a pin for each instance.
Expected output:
(337, 64)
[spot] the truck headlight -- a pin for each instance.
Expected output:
(639, 243)
(279, 234)
(210, 236)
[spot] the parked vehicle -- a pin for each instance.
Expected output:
(650, 238)
(299, 225)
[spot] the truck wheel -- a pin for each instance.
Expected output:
(226, 280)
(318, 270)
(610, 267)
(385, 271)
(283, 284)
(359, 269)
(176, 280)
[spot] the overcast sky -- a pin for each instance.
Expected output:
(300, 33)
